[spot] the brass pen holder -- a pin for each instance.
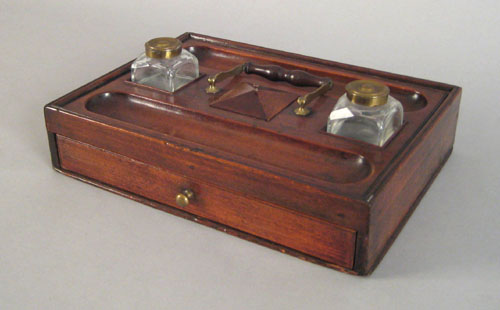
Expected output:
(277, 73)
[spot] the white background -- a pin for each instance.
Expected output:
(67, 245)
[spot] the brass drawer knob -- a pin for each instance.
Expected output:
(183, 198)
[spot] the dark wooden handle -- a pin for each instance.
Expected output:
(277, 73)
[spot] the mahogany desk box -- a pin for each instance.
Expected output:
(243, 162)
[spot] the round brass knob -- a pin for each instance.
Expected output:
(182, 199)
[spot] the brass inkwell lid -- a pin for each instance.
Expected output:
(368, 93)
(163, 48)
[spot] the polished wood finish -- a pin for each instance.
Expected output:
(277, 179)
(308, 235)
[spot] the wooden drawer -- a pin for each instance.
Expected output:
(311, 236)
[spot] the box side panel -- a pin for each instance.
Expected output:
(54, 154)
(311, 236)
(401, 192)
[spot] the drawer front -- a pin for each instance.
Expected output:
(317, 238)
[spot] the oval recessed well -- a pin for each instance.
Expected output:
(269, 149)
(411, 100)
(201, 52)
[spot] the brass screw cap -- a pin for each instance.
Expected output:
(368, 93)
(163, 47)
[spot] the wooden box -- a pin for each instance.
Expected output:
(257, 170)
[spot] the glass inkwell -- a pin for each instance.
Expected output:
(366, 112)
(165, 65)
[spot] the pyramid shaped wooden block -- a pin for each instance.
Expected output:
(255, 101)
